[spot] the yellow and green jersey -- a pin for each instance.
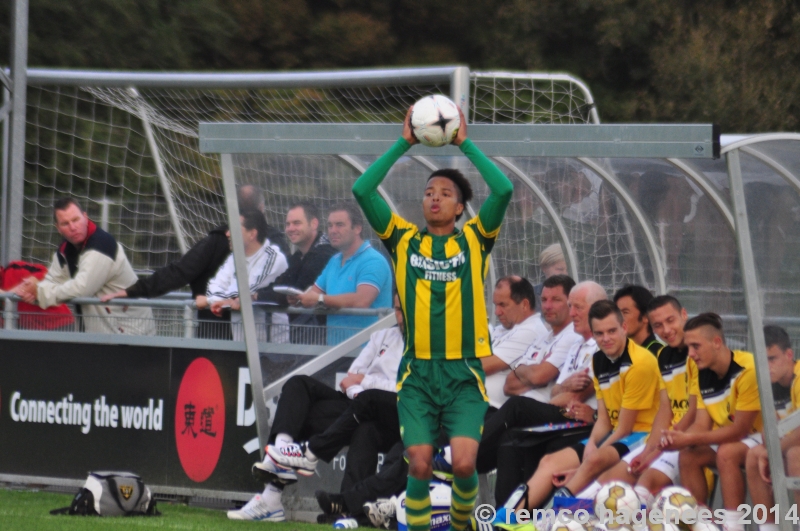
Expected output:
(736, 391)
(440, 279)
(631, 381)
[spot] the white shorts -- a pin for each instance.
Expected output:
(666, 463)
(751, 441)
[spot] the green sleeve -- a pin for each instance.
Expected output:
(500, 187)
(365, 189)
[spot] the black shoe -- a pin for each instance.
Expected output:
(331, 503)
(327, 519)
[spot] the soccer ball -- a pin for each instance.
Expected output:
(440, 508)
(665, 526)
(676, 505)
(435, 120)
(567, 524)
(703, 525)
(614, 499)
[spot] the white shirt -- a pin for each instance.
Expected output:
(509, 345)
(553, 349)
(378, 362)
(580, 358)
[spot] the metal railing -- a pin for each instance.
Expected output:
(175, 315)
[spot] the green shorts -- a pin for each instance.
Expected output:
(436, 394)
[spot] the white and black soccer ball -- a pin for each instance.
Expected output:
(440, 508)
(616, 498)
(677, 506)
(565, 523)
(664, 526)
(705, 525)
(435, 120)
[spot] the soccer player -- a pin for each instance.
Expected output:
(632, 301)
(783, 372)
(628, 389)
(440, 272)
(728, 411)
(648, 468)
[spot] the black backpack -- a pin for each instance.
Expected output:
(112, 494)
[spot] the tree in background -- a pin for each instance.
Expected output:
(724, 61)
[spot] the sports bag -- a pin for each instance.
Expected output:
(112, 494)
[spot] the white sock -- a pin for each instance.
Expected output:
(644, 496)
(282, 440)
(448, 455)
(769, 527)
(271, 494)
(589, 492)
(732, 520)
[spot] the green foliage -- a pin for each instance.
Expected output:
(645, 60)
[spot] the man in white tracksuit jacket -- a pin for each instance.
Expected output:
(88, 263)
(265, 262)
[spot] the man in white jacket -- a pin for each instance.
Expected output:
(88, 263)
(265, 262)
(309, 409)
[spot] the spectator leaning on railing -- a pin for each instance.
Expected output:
(198, 265)
(88, 263)
(356, 277)
(313, 251)
(265, 262)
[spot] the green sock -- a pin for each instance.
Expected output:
(418, 504)
(465, 491)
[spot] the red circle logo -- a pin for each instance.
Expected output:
(200, 419)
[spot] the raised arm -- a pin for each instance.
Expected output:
(500, 187)
(365, 189)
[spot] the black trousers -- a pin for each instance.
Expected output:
(307, 407)
(520, 455)
(517, 412)
(368, 426)
(390, 480)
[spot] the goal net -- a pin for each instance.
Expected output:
(90, 142)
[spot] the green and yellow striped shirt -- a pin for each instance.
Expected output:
(440, 279)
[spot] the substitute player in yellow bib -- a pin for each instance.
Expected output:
(784, 372)
(728, 412)
(440, 272)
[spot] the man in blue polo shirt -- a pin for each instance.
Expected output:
(356, 277)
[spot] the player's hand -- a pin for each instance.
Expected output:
(642, 462)
(235, 304)
(350, 380)
(117, 294)
(408, 133)
(674, 440)
(462, 130)
(561, 478)
(763, 468)
(201, 301)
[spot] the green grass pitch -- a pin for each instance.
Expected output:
(30, 511)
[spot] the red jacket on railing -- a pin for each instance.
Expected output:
(31, 317)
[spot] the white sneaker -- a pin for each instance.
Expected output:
(259, 509)
(293, 456)
(268, 469)
(381, 511)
